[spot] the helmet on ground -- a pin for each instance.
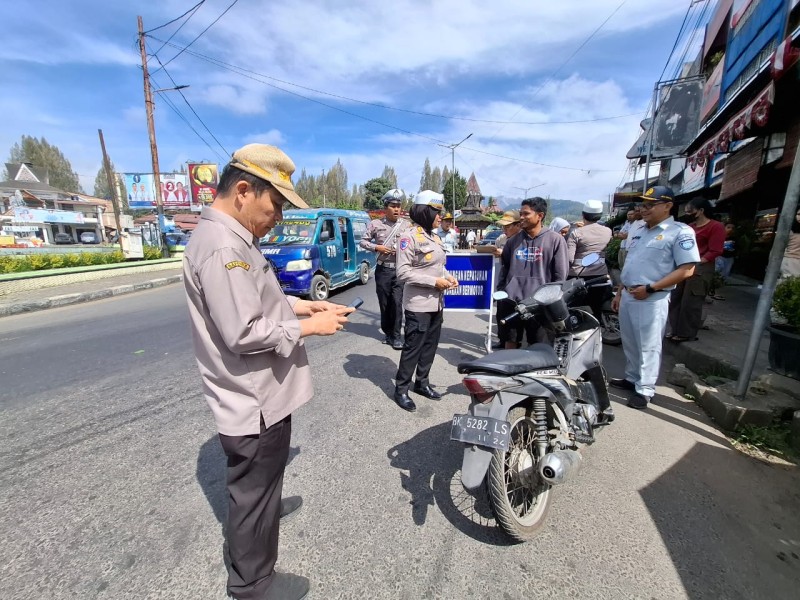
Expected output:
(393, 195)
(430, 198)
(592, 207)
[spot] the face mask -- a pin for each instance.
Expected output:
(687, 218)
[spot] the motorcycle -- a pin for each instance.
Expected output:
(532, 410)
(609, 320)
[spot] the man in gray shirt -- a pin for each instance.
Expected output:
(534, 256)
(252, 359)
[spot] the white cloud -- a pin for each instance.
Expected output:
(272, 137)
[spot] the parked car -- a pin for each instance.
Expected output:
(490, 238)
(89, 237)
(63, 238)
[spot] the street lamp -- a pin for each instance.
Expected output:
(172, 89)
(529, 188)
(453, 173)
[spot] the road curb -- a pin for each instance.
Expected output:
(78, 298)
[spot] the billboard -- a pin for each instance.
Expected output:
(203, 178)
(677, 117)
(141, 191)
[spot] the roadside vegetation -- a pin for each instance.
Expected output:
(42, 262)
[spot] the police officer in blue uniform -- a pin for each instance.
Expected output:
(661, 254)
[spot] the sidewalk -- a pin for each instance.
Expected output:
(720, 349)
(112, 284)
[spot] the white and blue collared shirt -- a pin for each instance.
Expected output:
(655, 252)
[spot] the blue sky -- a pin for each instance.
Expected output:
(70, 68)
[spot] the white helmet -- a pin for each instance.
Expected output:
(393, 195)
(430, 198)
(592, 207)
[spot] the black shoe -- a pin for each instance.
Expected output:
(638, 402)
(290, 506)
(387, 340)
(404, 402)
(397, 344)
(427, 391)
(607, 416)
(498, 346)
(622, 383)
(286, 586)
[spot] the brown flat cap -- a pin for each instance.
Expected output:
(270, 164)
(509, 217)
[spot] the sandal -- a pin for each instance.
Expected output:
(680, 339)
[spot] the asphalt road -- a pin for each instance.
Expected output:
(112, 479)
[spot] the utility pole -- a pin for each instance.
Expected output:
(111, 186)
(452, 148)
(649, 138)
(151, 129)
(527, 189)
(761, 318)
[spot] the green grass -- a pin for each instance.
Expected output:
(773, 439)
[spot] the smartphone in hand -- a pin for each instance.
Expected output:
(355, 303)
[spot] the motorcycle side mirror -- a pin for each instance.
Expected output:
(590, 259)
(500, 295)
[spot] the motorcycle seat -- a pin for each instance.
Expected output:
(513, 362)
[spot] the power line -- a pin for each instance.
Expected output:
(196, 6)
(677, 39)
(186, 100)
(175, 109)
(194, 11)
(564, 64)
(384, 106)
(232, 4)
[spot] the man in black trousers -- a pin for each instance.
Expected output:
(381, 237)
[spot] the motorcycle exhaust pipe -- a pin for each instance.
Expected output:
(556, 467)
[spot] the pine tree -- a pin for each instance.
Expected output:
(425, 180)
(436, 180)
(389, 175)
(40, 153)
(445, 179)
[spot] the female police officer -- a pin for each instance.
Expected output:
(420, 266)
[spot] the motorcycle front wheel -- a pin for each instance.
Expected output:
(518, 496)
(610, 332)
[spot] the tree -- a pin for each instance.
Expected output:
(461, 192)
(40, 153)
(445, 178)
(374, 190)
(305, 187)
(336, 193)
(436, 180)
(101, 187)
(390, 176)
(425, 180)
(357, 197)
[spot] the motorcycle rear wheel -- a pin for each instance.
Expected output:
(519, 498)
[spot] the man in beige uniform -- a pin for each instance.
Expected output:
(252, 359)
(381, 237)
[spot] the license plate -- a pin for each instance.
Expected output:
(482, 431)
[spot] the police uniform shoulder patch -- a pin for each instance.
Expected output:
(686, 243)
(237, 263)
(404, 243)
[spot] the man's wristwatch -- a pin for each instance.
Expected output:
(650, 289)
